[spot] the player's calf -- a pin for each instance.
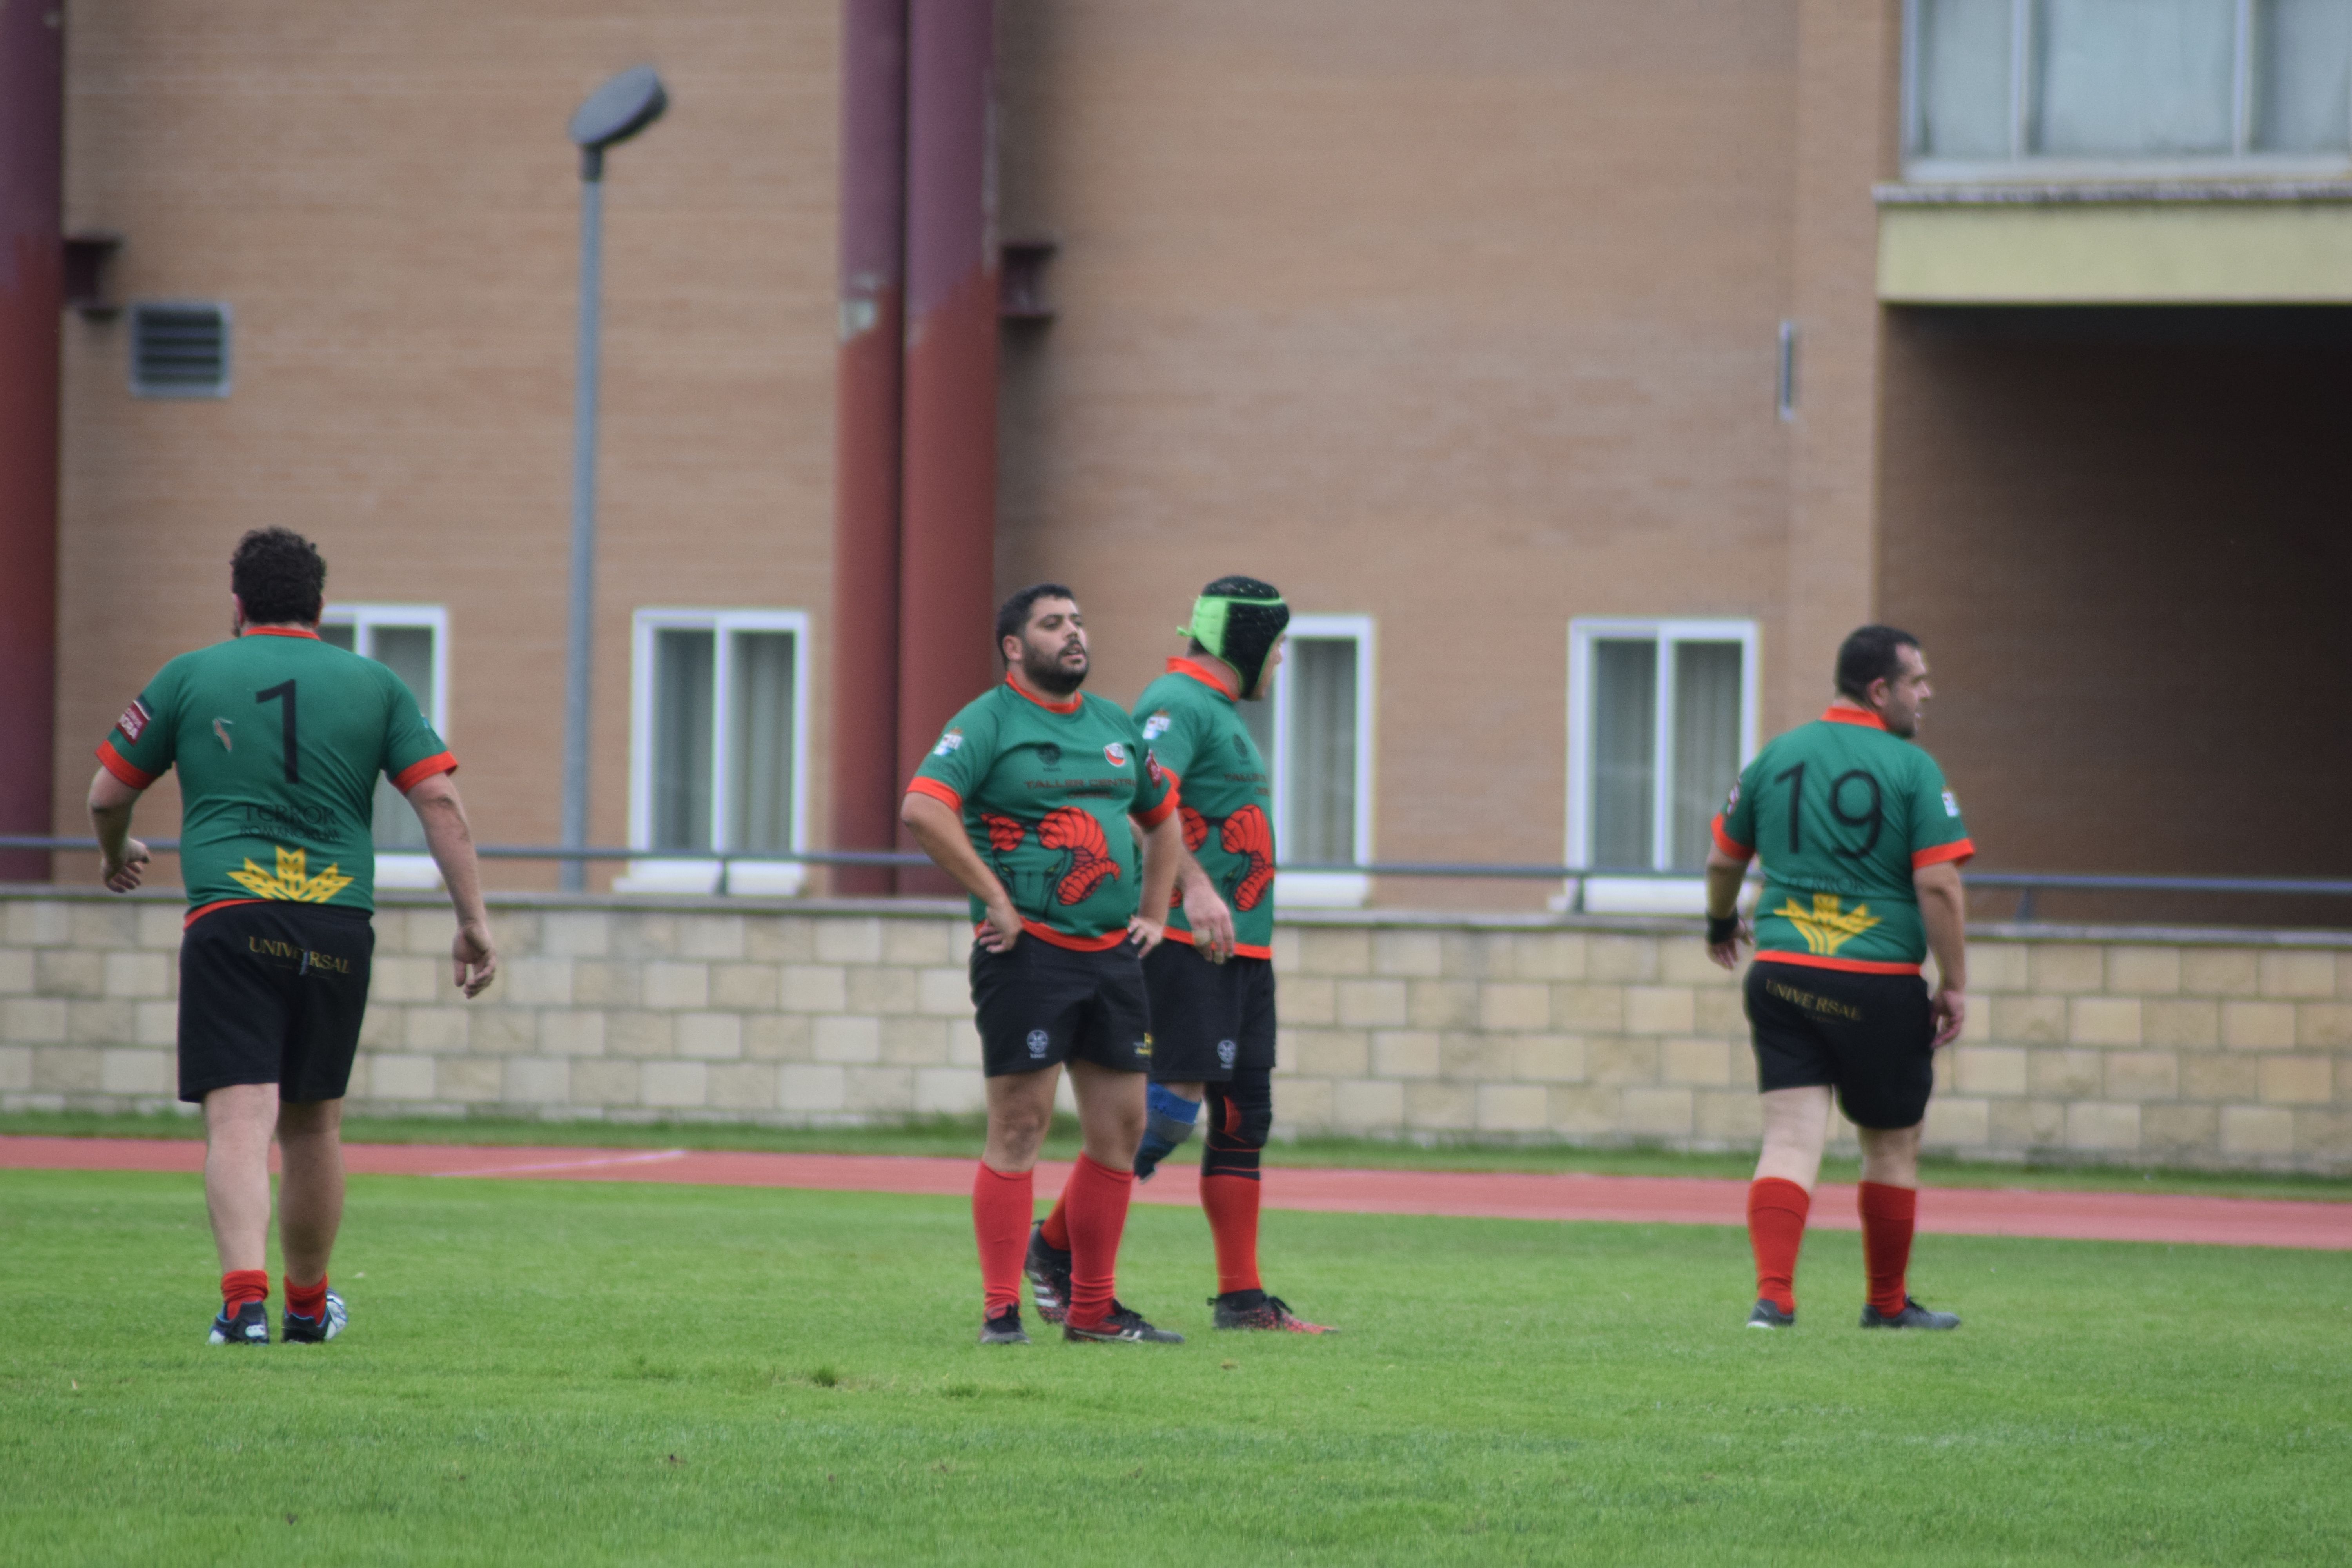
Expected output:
(1168, 1121)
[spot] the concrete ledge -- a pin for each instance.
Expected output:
(2127, 1045)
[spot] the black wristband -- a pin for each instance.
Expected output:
(1721, 928)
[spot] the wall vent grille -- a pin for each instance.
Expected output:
(179, 350)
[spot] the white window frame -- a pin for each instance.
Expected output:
(404, 868)
(1644, 895)
(711, 874)
(1329, 889)
(2024, 164)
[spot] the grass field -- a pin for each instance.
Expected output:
(960, 1137)
(613, 1374)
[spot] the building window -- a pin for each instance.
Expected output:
(179, 349)
(414, 639)
(717, 757)
(1316, 731)
(1661, 717)
(2031, 86)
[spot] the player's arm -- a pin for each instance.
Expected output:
(1204, 910)
(1164, 853)
(1725, 927)
(1944, 909)
(450, 839)
(940, 831)
(123, 858)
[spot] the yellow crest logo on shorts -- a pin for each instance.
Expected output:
(293, 883)
(1827, 926)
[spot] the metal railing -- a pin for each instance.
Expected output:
(2029, 885)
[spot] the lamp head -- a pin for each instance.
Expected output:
(615, 113)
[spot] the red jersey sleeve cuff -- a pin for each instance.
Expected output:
(937, 791)
(1158, 814)
(415, 773)
(1958, 849)
(1730, 846)
(112, 762)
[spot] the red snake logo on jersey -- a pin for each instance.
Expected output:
(1248, 833)
(1068, 828)
(1004, 833)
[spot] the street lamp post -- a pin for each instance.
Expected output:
(612, 114)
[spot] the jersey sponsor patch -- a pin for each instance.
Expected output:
(1117, 753)
(949, 744)
(1157, 725)
(1951, 806)
(134, 721)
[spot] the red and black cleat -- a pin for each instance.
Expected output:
(1256, 1309)
(1048, 1269)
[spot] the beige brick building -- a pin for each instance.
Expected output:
(1499, 335)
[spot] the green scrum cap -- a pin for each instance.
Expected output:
(1238, 620)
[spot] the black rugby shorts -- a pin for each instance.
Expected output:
(1208, 1020)
(1040, 1005)
(1869, 1036)
(273, 993)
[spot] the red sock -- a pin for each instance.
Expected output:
(310, 1300)
(1098, 1198)
(1057, 1224)
(239, 1285)
(1776, 1229)
(1230, 1202)
(1001, 1206)
(1888, 1215)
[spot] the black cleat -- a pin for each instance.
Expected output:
(1765, 1315)
(1912, 1316)
(1005, 1329)
(1048, 1269)
(318, 1331)
(1256, 1309)
(249, 1327)
(1122, 1325)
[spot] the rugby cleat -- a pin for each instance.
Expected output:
(1239, 1310)
(1765, 1315)
(1005, 1329)
(250, 1326)
(1122, 1325)
(1912, 1316)
(318, 1331)
(1048, 1269)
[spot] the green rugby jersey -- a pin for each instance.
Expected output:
(1194, 730)
(1842, 811)
(1044, 790)
(278, 738)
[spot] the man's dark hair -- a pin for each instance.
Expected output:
(280, 576)
(1870, 654)
(1013, 613)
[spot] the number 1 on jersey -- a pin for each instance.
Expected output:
(286, 726)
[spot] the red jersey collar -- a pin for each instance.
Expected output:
(1078, 699)
(279, 632)
(1203, 674)
(1854, 716)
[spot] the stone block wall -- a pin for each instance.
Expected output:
(2217, 1048)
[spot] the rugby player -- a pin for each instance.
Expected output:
(1025, 802)
(279, 738)
(1211, 982)
(1862, 844)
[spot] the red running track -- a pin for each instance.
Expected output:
(1628, 1200)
